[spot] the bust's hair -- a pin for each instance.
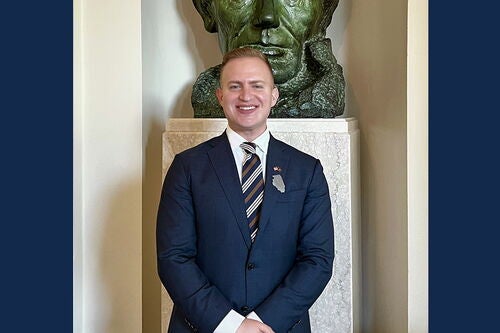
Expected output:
(244, 52)
(204, 7)
(330, 6)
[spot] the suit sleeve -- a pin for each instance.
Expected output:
(313, 265)
(201, 302)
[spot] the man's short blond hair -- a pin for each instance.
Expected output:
(245, 52)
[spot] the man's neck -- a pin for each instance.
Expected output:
(249, 136)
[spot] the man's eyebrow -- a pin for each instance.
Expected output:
(240, 82)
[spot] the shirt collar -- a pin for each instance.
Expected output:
(262, 141)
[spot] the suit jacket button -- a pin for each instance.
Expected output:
(250, 266)
(245, 309)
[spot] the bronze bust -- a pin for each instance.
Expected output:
(291, 33)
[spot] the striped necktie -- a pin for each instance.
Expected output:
(252, 185)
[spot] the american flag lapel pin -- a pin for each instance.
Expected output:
(278, 180)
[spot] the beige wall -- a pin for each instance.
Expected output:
(108, 152)
(123, 101)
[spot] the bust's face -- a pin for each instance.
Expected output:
(278, 28)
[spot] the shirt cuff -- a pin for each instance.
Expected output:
(230, 323)
(253, 315)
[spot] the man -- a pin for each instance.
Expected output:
(237, 253)
(292, 35)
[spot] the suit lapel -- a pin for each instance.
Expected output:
(276, 157)
(222, 160)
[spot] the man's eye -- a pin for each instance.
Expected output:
(232, 87)
(258, 86)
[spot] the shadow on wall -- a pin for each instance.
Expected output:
(199, 42)
(151, 189)
(203, 51)
(337, 30)
(117, 263)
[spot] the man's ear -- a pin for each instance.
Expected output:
(204, 8)
(218, 93)
(275, 94)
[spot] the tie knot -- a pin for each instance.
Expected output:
(248, 147)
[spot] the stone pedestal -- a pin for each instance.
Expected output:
(336, 143)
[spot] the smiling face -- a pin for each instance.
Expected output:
(277, 28)
(246, 94)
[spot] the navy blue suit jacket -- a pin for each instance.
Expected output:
(206, 260)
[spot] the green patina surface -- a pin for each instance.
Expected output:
(292, 35)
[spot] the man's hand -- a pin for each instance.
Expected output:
(253, 326)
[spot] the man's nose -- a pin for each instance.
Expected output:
(266, 16)
(244, 94)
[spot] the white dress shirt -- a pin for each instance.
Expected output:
(262, 143)
(233, 319)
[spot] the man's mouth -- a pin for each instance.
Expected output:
(246, 108)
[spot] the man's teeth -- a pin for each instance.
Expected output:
(246, 108)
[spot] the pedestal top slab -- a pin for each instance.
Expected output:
(303, 125)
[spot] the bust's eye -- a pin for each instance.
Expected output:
(292, 2)
(238, 3)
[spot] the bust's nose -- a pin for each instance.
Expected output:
(266, 16)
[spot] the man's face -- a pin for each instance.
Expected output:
(278, 28)
(246, 94)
